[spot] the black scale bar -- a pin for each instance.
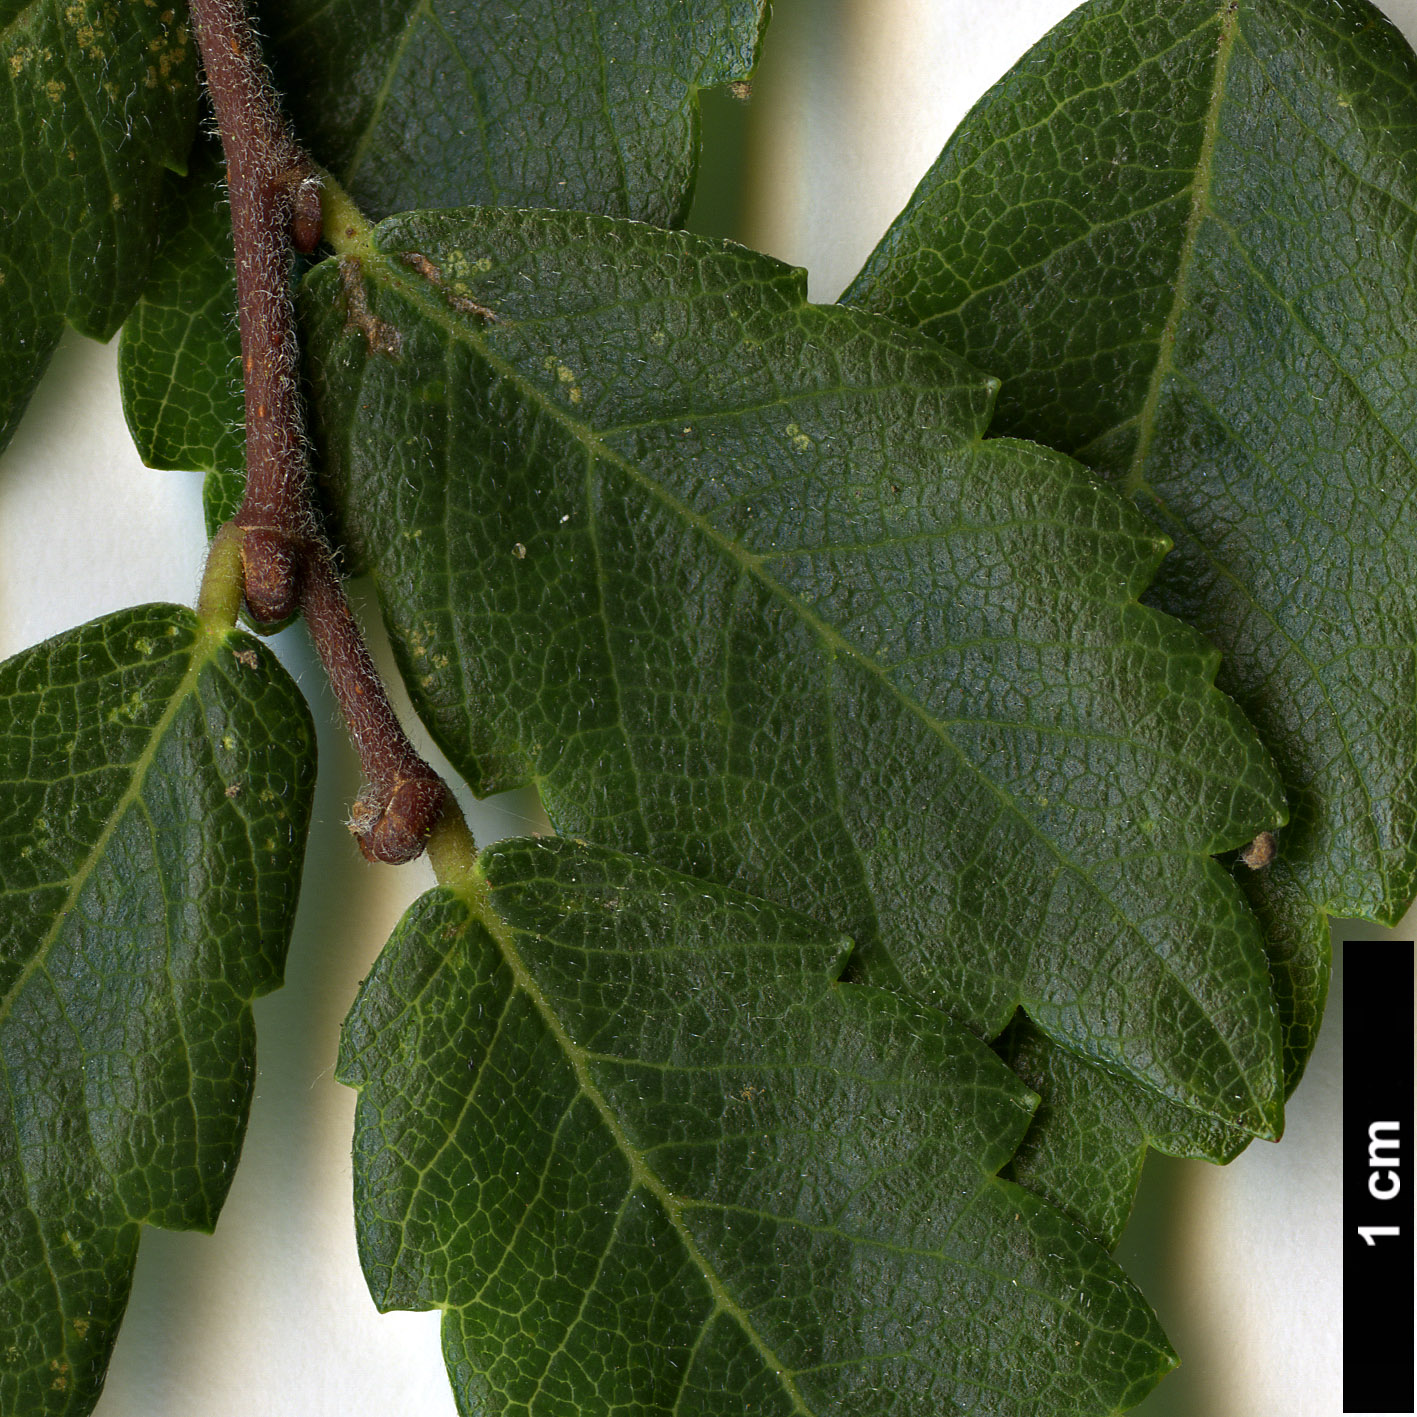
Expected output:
(1379, 1176)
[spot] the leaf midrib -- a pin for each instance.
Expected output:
(201, 649)
(1133, 480)
(476, 894)
(381, 97)
(1134, 483)
(412, 289)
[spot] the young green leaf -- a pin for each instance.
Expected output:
(179, 355)
(587, 107)
(627, 1131)
(738, 583)
(156, 778)
(97, 100)
(1182, 230)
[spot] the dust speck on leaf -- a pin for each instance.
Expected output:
(1260, 852)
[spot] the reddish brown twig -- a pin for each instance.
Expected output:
(275, 205)
(392, 817)
(273, 189)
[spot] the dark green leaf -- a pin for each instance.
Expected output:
(736, 581)
(95, 100)
(1091, 1131)
(587, 106)
(624, 1128)
(1183, 232)
(154, 792)
(179, 356)
(222, 494)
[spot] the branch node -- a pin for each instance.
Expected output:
(394, 828)
(286, 566)
(306, 219)
(271, 560)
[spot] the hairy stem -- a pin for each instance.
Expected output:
(273, 186)
(286, 565)
(404, 797)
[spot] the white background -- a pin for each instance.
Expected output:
(270, 1316)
